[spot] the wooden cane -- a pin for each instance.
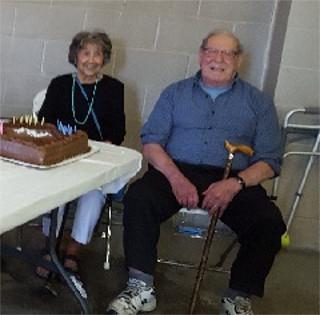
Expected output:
(232, 149)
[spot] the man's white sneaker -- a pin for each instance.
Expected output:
(237, 306)
(136, 297)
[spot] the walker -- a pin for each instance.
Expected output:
(312, 130)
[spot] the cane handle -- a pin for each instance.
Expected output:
(232, 148)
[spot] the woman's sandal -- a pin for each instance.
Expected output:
(42, 272)
(72, 266)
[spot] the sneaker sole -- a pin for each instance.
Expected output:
(149, 306)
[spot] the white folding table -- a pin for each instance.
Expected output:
(27, 192)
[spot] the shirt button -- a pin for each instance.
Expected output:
(206, 142)
(210, 128)
(212, 112)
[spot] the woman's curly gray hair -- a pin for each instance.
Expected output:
(96, 37)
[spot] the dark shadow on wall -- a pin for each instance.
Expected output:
(278, 33)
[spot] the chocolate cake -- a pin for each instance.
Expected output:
(40, 143)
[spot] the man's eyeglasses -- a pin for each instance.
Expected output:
(226, 54)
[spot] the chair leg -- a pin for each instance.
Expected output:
(19, 232)
(106, 264)
(218, 267)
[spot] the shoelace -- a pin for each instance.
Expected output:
(132, 292)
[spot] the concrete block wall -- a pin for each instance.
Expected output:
(297, 87)
(155, 43)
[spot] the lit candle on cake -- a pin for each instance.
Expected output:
(1, 127)
(59, 126)
(65, 130)
(42, 121)
(69, 130)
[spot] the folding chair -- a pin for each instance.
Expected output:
(106, 234)
(38, 101)
(193, 223)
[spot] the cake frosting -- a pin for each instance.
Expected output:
(40, 143)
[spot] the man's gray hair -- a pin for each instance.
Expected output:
(222, 32)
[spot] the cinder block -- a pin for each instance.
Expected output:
(7, 15)
(234, 10)
(20, 61)
(132, 138)
(5, 52)
(301, 48)
(147, 66)
(298, 87)
(95, 4)
(58, 22)
(134, 99)
(130, 30)
(254, 38)
(108, 20)
(152, 96)
(69, 3)
(304, 14)
(20, 90)
(137, 30)
(185, 34)
(31, 19)
(27, 2)
(56, 58)
(163, 7)
(2, 87)
(193, 66)
(9, 111)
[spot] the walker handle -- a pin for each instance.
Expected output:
(312, 110)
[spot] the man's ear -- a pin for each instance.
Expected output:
(240, 60)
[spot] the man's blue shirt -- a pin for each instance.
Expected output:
(192, 128)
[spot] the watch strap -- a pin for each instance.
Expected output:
(240, 181)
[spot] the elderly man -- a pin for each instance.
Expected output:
(183, 141)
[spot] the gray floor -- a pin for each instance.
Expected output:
(292, 287)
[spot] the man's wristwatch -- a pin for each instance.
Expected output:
(240, 181)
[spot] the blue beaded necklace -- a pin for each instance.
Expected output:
(90, 104)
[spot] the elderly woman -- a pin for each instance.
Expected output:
(93, 102)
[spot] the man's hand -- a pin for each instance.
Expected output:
(184, 191)
(219, 194)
